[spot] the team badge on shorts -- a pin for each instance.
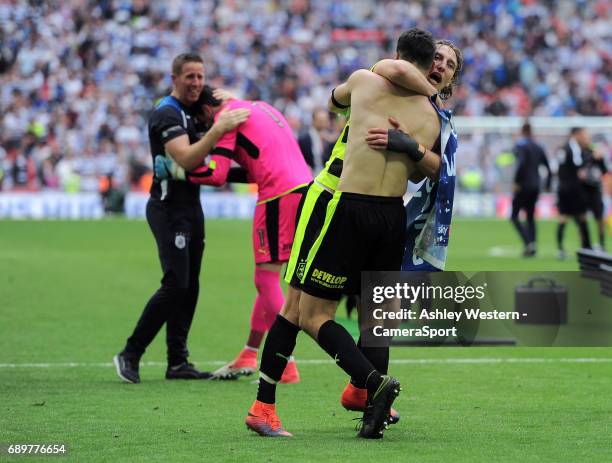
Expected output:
(179, 240)
(300, 269)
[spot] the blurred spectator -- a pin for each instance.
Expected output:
(88, 72)
(113, 197)
(317, 143)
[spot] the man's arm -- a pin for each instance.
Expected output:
(214, 173)
(340, 98)
(544, 162)
(600, 160)
(404, 74)
(426, 161)
(190, 156)
(519, 169)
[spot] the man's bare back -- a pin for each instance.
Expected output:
(373, 100)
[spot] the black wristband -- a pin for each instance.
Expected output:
(401, 142)
(336, 103)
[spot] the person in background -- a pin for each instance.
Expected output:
(269, 156)
(591, 178)
(175, 216)
(316, 144)
(527, 182)
(572, 201)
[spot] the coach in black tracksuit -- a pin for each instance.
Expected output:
(529, 156)
(594, 170)
(572, 200)
(174, 214)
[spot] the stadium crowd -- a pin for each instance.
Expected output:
(79, 78)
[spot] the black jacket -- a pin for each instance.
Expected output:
(530, 156)
(306, 146)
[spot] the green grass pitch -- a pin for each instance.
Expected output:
(72, 291)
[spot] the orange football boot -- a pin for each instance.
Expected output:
(262, 419)
(354, 399)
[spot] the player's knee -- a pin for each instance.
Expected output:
(266, 280)
(173, 293)
(291, 307)
(311, 323)
(291, 312)
(191, 295)
(175, 284)
(307, 325)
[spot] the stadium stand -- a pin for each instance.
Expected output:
(78, 78)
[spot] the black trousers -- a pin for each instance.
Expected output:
(594, 201)
(525, 200)
(179, 232)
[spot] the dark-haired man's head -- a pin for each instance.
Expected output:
(582, 136)
(207, 98)
(207, 106)
(575, 131)
(187, 77)
(526, 130)
(417, 46)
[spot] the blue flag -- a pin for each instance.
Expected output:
(429, 212)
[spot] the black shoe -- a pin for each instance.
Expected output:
(376, 414)
(186, 370)
(127, 368)
(529, 253)
(530, 250)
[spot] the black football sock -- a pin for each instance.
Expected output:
(353, 381)
(339, 344)
(378, 357)
(278, 347)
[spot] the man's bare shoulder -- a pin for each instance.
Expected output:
(365, 76)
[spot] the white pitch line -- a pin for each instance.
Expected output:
(504, 251)
(422, 361)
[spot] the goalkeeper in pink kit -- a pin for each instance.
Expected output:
(268, 153)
